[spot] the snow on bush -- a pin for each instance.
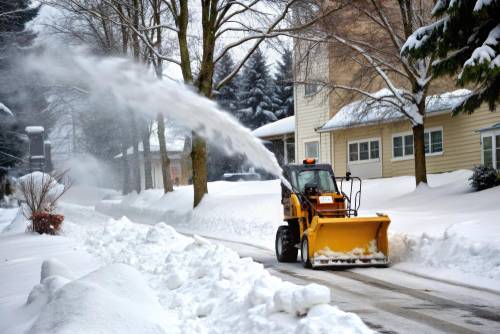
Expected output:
(484, 177)
(39, 193)
(210, 289)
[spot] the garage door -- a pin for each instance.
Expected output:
(364, 158)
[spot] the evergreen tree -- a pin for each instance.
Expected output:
(283, 87)
(255, 107)
(14, 14)
(465, 40)
(227, 96)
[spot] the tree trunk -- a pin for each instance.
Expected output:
(125, 170)
(148, 177)
(199, 160)
(136, 164)
(419, 142)
(165, 161)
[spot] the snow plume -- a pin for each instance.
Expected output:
(134, 87)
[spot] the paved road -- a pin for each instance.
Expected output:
(393, 301)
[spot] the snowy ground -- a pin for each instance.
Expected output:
(115, 276)
(444, 230)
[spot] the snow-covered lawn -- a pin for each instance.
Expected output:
(116, 276)
(444, 229)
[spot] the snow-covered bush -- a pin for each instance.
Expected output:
(484, 177)
(39, 193)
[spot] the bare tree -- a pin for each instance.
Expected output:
(365, 40)
(200, 44)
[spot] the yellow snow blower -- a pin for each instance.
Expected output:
(322, 220)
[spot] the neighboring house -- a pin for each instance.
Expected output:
(279, 138)
(370, 143)
(178, 150)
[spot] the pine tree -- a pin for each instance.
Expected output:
(465, 41)
(227, 96)
(255, 107)
(283, 87)
(13, 17)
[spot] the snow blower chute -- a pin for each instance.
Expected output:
(322, 220)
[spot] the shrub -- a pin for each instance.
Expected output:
(484, 177)
(39, 194)
(45, 223)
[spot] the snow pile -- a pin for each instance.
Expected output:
(444, 226)
(278, 128)
(113, 299)
(370, 253)
(209, 289)
(34, 129)
(369, 111)
(235, 210)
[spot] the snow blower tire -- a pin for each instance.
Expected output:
(285, 249)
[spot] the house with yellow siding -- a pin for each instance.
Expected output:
(376, 142)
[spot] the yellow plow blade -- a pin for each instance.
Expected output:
(355, 241)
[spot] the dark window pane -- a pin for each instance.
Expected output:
(353, 152)
(363, 151)
(426, 142)
(409, 145)
(487, 143)
(397, 146)
(374, 150)
(488, 158)
(436, 141)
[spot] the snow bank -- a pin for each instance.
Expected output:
(113, 299)
(210, 289)
(426, 223)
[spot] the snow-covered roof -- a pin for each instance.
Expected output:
(363, 112)
(280, 127)
(5, 110)
(175, 143)
(34, 129)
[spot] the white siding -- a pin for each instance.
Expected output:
(311, 111)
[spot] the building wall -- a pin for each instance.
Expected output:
(461, 143)
(311, 111)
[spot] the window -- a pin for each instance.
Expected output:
(488, 151)
(402, 146)
(364, 150)
(312, 149)
(320, 178)
(310, 89)
(433, 141)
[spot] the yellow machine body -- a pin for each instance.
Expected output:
(334, 237)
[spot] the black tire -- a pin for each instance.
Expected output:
(304, 253)
(284, 246)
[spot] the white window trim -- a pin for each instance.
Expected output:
(319, 148)
(404, 157)
(411, 157)
(364, 140)
(493, 134)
